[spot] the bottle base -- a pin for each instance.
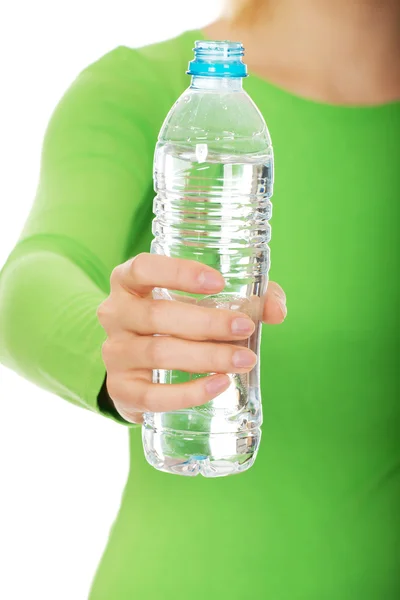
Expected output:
(163, 454)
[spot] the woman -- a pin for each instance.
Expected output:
(317, 517)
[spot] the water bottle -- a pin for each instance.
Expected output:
(213, 178)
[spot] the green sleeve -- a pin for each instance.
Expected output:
(96, 175)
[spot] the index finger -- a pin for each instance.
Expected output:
(145, 271)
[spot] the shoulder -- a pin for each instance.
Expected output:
(160, 66)
(124, 88)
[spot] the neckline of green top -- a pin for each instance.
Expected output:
(283, 95)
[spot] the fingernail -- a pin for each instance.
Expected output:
(282, 306)
(210, 281)
(244, 358)
(242, 325)
(216, 385)
(281, 299)
(279, 293)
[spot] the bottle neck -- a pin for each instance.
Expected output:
(226, 84)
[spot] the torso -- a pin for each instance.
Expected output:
(317, 517)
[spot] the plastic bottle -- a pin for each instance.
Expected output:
(213, 176)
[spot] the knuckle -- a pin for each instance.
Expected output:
(210, 325)
(139, 266)
(190, 396)
(116, 275)
(155, 314)
(104, 311)
(106, 352)
(179, 272)
(120, 391)
(156, 351)
(114, 388)
(220, 358)
(100, 312)
(145, 402)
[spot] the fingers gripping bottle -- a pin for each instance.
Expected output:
(213, 176)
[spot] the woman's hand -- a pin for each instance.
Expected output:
(190, 337)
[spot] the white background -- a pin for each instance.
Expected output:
(62, 469)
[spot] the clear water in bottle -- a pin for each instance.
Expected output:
(213, 176)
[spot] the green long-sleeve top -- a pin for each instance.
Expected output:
(318, 516)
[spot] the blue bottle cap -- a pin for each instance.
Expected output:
(218, 59)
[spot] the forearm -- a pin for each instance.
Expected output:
(49, 331)
(91, 212)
